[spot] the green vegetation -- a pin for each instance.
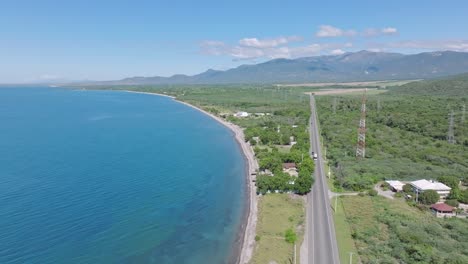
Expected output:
(290, 236)
(343, 233)
(280, 223)
(429, 197)
(406, 136)
(390, 231)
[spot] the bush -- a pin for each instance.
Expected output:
(429, 197)
(407, 188)
(453, 203)
(290, 236)
(257, 238)
(372, 192)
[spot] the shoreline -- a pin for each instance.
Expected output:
(248, 227)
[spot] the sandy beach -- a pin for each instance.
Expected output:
(248, 237)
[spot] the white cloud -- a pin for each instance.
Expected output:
(49, 77)
(454, 45)
(254, 48)
(389, 30)
(268, 43)
(327, 31)
(337, 52)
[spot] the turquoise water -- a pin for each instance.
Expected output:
(115, 177)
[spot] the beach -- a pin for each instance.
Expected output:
(247, 237)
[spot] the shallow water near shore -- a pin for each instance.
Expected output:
(115, 177)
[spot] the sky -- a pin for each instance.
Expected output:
(45, 40)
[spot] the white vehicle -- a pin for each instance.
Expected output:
(314, 155)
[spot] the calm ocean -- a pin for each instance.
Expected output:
(115, 177)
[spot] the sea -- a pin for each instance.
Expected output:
(116, 177)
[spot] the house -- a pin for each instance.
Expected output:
(290, 168)
(442, 210)
(292, 141)
(420, 186)
(241, 114)
(396, 186)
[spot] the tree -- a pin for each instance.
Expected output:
(303, 183)
(453, 203)
(429, 197)
(450, 181)
(407, 188)
(290, 236)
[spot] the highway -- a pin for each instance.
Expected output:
(322, 247)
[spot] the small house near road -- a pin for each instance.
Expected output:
(442, 210)
(241, 114)
(290, 168)
(420, 186)
(396, 186)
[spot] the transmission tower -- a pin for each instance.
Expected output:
(463, 114)
(450, 136)
(361, 145)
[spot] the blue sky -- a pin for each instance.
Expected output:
(104, 40)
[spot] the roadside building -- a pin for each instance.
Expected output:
(442, 210)
(290, 168)
(396, 186)
(420, 186)
(241, 114)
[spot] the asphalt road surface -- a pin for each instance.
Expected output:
(323, 248)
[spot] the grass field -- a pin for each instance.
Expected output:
(277, 213)
(343, 233)
(387, 231)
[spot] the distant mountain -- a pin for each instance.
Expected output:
(351, 66)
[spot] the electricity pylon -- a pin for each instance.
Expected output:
(361, 144)
(450, 134)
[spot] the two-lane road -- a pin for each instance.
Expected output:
(323, 248)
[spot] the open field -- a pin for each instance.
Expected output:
(277, 213)
(352, 84)
(347, 91)
(391, 231)
(343, 233)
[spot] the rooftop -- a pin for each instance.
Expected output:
(442, 207)
(398, 185)
(289, 165)
(430, 185)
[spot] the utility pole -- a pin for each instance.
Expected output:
(336, 202)
(361, 145)
(450, 135)
(351, 257)
(294, 252)
(334, 105)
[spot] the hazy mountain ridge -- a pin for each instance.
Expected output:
(351, 66)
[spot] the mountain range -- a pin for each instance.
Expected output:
(351, 66)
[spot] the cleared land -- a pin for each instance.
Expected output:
(354, 84)
(391, 231)
(277, 213)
